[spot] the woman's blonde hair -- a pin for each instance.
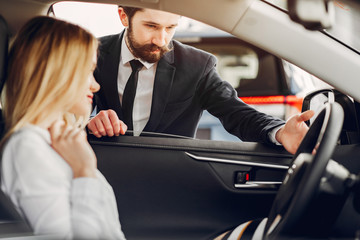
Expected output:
(49, 63)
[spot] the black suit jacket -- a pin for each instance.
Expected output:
(186, 83)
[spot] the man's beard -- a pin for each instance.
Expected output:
(145, 52)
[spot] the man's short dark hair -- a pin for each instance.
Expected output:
(130, 11)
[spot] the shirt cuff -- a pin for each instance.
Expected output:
(85, 187)
(272, 135)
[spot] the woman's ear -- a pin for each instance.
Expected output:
(123, 17)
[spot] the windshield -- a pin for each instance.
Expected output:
(346, 26)
(347, 23)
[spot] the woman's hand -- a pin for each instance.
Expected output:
(71, 143)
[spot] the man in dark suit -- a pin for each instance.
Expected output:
(174, 85)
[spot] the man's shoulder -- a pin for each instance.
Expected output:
(107, 41)
(182, 47)
(190, 53)
(111, 37)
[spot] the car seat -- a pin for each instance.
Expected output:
(4, 44)
(11, 222)
(251, 230)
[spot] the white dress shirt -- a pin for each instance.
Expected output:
(41, 185)
(144, 90)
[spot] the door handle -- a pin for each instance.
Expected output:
(258, 185)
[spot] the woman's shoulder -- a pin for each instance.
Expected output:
(28, 145)
(29, 150)
(29, 135)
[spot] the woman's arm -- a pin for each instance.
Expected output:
(41, 184)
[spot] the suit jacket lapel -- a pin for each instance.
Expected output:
(110, 74)
(162, 87)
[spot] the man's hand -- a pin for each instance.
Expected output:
(106, 123)
(293, 132)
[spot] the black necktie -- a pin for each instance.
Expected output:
(130, 92)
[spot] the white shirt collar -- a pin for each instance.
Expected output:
(127, 56)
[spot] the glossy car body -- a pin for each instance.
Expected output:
(181, 188)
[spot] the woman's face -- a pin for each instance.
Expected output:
(84, 105)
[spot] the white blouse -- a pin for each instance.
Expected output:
(41, 185)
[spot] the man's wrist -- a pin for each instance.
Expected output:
(274, 135)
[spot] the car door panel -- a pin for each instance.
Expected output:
(164, 191)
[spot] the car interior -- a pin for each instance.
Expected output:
(11, 220)
(174, 187)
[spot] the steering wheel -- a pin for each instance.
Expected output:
(301, 183)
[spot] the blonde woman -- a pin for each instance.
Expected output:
(48, 168)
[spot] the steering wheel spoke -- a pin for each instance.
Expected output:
(291, 181)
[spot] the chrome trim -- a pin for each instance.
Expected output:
(209, 159)
(259, 184)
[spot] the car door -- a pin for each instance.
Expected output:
(183, 188)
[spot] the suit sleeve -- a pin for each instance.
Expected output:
(238, 118)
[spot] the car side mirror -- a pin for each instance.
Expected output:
(316, 100)
(351, 126)
(312, 14)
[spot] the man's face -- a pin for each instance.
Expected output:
(150, 32)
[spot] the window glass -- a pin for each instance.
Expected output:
(99, 19)
(347, 23)
(260, 79)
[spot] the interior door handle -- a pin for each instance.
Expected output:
(259, 185)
